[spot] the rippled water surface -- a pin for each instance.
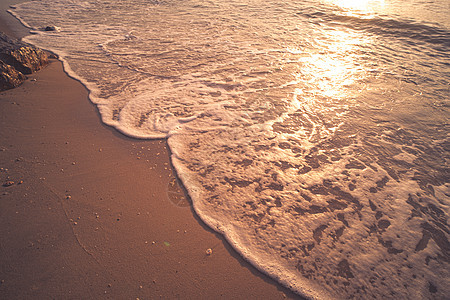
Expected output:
(313, 134)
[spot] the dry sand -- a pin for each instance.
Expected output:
(92, 214)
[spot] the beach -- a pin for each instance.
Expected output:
(93, 214)
(225, 150)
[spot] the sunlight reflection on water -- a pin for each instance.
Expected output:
(361, 5)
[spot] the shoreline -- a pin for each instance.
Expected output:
(98, 214)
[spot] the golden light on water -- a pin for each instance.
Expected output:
(360, 5)
(330, 77)
(329, 73)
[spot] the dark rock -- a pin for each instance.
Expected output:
(23, 57)
(9, 77)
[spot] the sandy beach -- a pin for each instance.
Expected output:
(93, 214)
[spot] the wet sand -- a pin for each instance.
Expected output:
(93, 214)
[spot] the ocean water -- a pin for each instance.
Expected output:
(314, 135)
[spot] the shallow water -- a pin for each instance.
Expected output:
(314, 135)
